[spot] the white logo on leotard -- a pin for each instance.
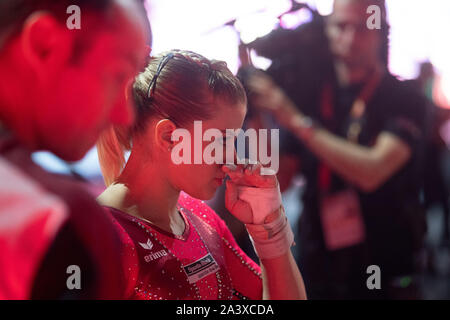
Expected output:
(147, 246)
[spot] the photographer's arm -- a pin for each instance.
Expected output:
(366, 167)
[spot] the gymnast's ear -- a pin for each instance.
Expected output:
(163, 134)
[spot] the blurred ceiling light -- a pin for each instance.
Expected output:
(255, 26)
(278, 7)
(446, 88)
(325, 7)
(441, 91)
(295, 19)
(260, 62)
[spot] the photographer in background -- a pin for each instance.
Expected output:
(357, 134)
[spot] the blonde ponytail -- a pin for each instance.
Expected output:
(111, 148)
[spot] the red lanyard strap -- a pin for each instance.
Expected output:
(358, 111)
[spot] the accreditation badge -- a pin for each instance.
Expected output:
(342, 221)
(201, 268)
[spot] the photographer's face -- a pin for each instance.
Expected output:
(351, 41)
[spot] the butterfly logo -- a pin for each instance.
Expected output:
(147, 246)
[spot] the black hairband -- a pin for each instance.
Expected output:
(152, 84)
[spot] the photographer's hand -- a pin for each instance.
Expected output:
(266, 95)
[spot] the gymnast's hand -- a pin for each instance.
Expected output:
(248, 177)
(255, 199)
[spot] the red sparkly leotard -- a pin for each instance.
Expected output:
(203, 263)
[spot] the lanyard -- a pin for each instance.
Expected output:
(357, 113)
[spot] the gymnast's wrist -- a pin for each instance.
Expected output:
(274, 238)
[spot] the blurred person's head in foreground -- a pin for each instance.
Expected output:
(60, 87)
(350, 39)
(176, 89)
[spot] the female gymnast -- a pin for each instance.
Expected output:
(173, 245)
